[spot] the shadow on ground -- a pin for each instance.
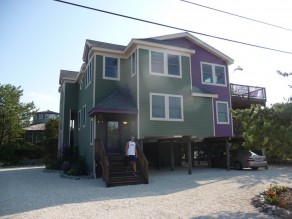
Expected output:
(27, 189)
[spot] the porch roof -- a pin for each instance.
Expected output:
(120, 102)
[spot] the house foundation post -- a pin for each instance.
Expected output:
(228, 146)
(171, 156)
(189, 145)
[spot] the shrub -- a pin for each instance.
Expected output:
(72, 172)
(273, 195)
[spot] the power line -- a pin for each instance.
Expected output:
(236, 15)
(172, 27)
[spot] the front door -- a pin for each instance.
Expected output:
(113, 144)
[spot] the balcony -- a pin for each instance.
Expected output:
(243, 96)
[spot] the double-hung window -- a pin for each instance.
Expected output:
(165, 64)
(222, 112)
(166, 107)
(133, 64)
(84, 116)
(213, 74)
(111, 68)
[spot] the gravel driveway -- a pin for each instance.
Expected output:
(207, 193)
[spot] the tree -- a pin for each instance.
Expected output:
(51, 136)
(285, 74)
(269, 128)
(14, 115)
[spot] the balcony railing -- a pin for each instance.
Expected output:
(248, 92)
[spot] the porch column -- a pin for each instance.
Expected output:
(141, 144)
(158, 155)
(171, 156)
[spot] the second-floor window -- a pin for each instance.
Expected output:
(84, 116)
(166, 107)
(79, 119)
(133, 64)
(213, 74)
(222, 112)
(165, 64)
(111, 68)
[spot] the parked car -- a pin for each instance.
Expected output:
(240, 159)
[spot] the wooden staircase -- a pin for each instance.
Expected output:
(120, 174)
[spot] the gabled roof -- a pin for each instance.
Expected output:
(120, 101)
(48, 112)
(197, 41)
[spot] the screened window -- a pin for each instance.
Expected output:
(213, 74)
(222, 112)
(166, 107)
(157, 62)
(173, 64)
(111, 69)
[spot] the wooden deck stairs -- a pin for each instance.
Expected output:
(121, 174)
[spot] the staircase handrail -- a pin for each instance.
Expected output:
(103, 160)
(143, 163)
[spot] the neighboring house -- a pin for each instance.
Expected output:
(35, 132)
(153, 88)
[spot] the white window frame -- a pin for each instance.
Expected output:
(110, 78)
(83, 116)
(88, 75)
(214, 74)
(165, 64)
(166, 107)
(91, 131)
(79, 119)
(133, 64)
(227, 111)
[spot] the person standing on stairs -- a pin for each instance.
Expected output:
(131, 153)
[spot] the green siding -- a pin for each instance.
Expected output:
(198, 116)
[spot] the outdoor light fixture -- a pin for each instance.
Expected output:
(125, 122)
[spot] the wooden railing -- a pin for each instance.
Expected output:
(103, 159)
(249, 92)
(143, 162)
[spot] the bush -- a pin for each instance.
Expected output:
(72, 172)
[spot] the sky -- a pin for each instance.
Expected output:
(39, 38)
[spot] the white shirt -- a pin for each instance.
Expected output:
(131, 148)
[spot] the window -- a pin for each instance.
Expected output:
(133, 64)
(165, 64)
(84, 116)
(91, 131)
(88, 74)
(166, 107)
(111, 68)
(222, 112)
(213, 74)
(79, 119)
(173, 65)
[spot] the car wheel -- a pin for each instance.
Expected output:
(237, 165)
(254, 168)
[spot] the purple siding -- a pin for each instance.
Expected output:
(203, 55)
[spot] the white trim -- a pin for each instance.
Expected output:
(214, 83)
(195, 94)
(165, 64)
(166, 107)
(213, 114)
(133, 73)
(227, 111)
(93, 78)
(103, 73)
